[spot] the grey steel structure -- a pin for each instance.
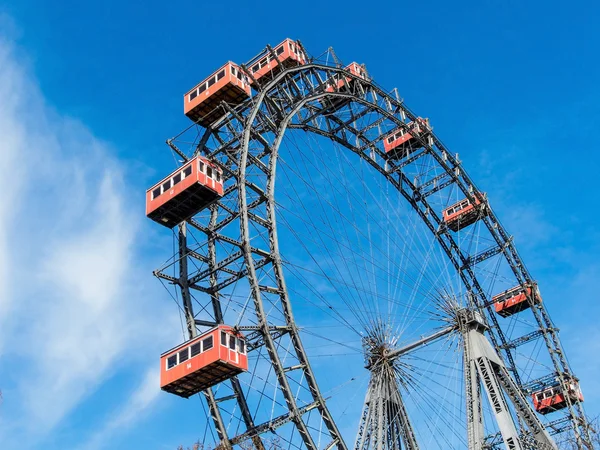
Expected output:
(385, 422)
(238, 240)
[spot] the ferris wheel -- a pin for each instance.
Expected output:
(342, 280)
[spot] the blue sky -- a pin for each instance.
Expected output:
(89, 92)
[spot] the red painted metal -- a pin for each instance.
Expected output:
(463, 213)
(555, 398)
(184, 192)
(195, 365)
(266, 66)
(401, 142)
(228, 84)
(514, 300)
(342, 81)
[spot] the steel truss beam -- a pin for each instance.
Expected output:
(385, 423)
(192, 331)
(552, 379)
(527, 338)
(291, 100)
(482, 256)
(483, 365)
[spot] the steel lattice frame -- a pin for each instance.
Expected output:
(245, 143)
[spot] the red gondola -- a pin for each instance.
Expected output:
(227, 84)
(555, 398)
(402, 142)
(515, 300)
(203, 362)
(342, 81)
(463, 213)
(185, 192)
(287, 54)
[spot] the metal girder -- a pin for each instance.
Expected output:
(273, 424)
(426, 340)
(250, 271)
(438, 182)
(164, 276)
(224, 262)
(437, 188)
(198, 256)
(192, 332)
(352, 119)
(236, 215)
(237, 275)
(475, 429)
(499, 386)
(389, 109)
(434, 223)
(255, 339)
(241, 274)
(510, 436)
(558, 425)
(482, 256)
(406, 162)
(286, 305)
(525, 412)
(524, 339)
(385, 422)
(206, 323)
(238, 393)
(226, 239)
(552, 379)
(434, 181)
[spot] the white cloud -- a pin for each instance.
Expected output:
(72, 295)
(82, 324)
(11, 145)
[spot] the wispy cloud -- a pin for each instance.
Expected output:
(12, 134)
(72, 295)
(82, 321)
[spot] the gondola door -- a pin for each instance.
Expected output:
(233, 353)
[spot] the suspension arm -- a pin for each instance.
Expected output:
(421, 342)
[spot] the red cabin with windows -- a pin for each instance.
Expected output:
(402, 142)
(267, 65)
(555, 397)
(203, 362)
(463, 213)
(355, 69)
(227, 84)
(341, 83)
(515, 300)
(184, 192)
